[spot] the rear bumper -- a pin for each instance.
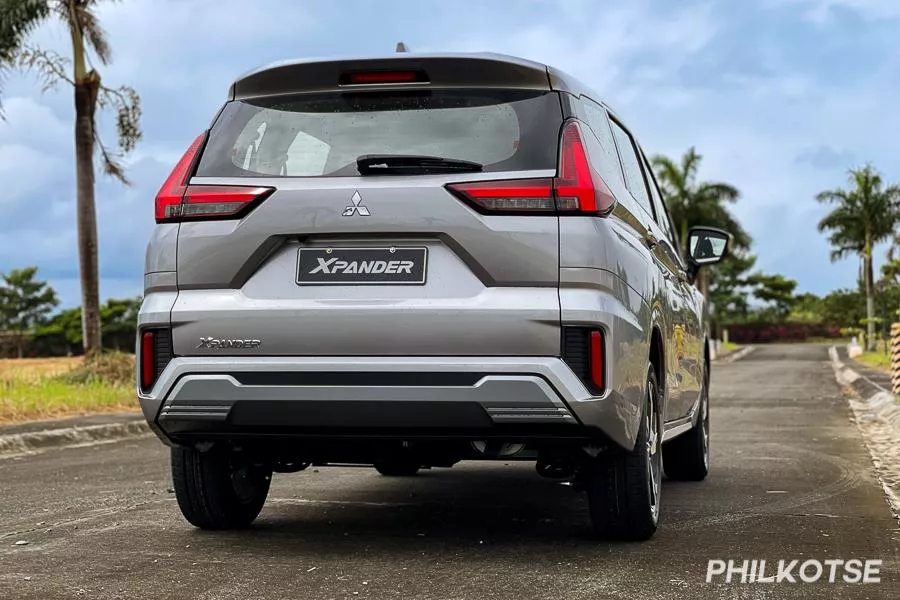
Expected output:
(381, 396)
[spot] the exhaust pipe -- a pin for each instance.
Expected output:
(496, 449)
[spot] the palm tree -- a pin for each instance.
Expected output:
(18, 18)
(862, 216)
(697, 203)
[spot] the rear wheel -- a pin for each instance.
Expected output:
(398, 468)
(624, 490)
(686, 458)
(219, 488)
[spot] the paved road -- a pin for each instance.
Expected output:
(790, 479)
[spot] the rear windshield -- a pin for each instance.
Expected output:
(323, 134)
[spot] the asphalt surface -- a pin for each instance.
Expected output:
(790, 479)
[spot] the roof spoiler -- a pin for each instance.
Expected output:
(433, 71)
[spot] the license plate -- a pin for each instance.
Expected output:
(362, 266)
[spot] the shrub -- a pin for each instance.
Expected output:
(113, 368)
(748, 333)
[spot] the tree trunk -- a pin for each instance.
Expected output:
(870, 297)
(85, 104)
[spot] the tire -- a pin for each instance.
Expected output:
(215, 491)
(397, 468)
(624, 489)
(686, 458)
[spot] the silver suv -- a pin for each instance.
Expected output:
(415, 260)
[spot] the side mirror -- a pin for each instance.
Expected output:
(706, 245)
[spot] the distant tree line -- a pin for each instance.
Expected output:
(766, 306)
(30, 327)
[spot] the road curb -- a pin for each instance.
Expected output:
(877, 416)
(878, 400)
(33, 441)
(737, 354)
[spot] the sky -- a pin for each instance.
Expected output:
(780, 97)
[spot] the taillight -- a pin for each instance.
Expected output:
(518, 196)
(584, 350)
(178, 201)
(148, 360)
(577, 189)
(154, 354)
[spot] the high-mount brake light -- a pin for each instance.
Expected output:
(380, 77)
(577, 189)
(178, 201)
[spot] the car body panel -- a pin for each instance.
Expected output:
(489, 277)
(515, 386)
(498, 294)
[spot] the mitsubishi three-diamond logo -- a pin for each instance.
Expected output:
(356, 199)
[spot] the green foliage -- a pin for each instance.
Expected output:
(62, 333)
(806, 308)
(733, 284)
(65, 325)
(24, 304)
(862, 216)
(728, 286)
(24, 301)
(844, 307)
(775, 290)
(120, 316)
(18, 18)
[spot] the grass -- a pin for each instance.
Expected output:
(877, 359)
(727, 348)
(45, 388)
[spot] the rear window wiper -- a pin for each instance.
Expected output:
(411, 164)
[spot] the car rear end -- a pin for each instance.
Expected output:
(369, 250)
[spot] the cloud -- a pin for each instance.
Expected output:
(826, 158)
(825, 11)
(780, 97)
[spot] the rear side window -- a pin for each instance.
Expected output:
(662, 215)
(318, 135)
(634, 176)
(608, 160)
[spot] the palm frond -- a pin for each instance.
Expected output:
(669, 175)
(94, 34)
(690, 164)
(18, 18)
(719, 192)
(50, 66)
(838, 196)
(82, 22)
(127, 103)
